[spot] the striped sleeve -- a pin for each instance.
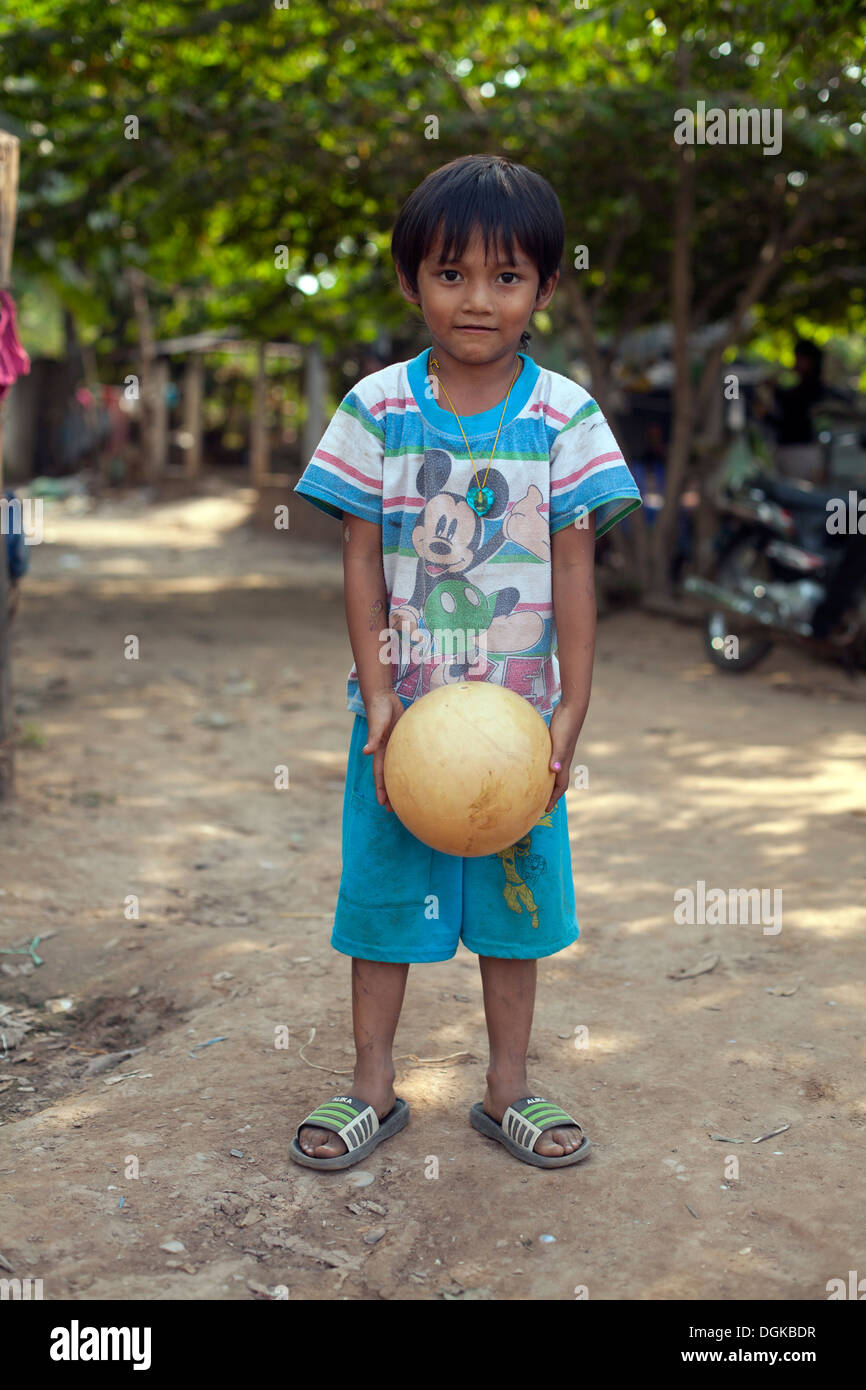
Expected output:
(345, 472)
(589, 474)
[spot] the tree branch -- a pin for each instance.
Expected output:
(770, 258)
(465, 94)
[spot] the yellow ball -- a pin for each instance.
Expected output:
(466, 768)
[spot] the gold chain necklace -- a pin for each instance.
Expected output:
(480, 498)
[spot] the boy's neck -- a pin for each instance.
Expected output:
(473, 387)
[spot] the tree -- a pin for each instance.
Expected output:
(189, 143)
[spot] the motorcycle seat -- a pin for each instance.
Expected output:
(799, 499)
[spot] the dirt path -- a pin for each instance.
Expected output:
(756, 782)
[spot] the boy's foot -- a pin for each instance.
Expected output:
(324, 1143)
(554, 1143)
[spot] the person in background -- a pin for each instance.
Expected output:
(792, 415)
(798, 452)
(649, 471)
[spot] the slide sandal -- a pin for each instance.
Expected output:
(521, 1126)
(358, 1126)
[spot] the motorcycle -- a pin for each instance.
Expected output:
(775, 557)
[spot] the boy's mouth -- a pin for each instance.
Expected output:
(473, 328)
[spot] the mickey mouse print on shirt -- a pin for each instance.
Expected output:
(450, 612)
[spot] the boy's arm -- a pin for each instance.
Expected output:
(572, 553)
(366, 599)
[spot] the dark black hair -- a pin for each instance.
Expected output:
(507, 201)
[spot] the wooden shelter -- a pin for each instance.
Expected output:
(194, 347)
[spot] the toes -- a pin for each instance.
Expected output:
(309, 1139)
(320, 1143)
(549, 1146)
(570, 1138)
(557, 1142)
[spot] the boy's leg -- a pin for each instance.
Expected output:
(377, 997)
(509, 1000)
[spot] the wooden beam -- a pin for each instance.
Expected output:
(215, 342)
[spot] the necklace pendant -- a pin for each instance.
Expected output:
(480, 499)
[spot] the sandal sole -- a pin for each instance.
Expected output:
(486, 1125)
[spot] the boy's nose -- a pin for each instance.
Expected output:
(476, 301)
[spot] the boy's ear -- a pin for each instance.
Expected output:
(405, 288)
(545, 292)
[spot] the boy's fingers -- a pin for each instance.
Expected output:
(374, 740)
(379, 778)
(560, 781)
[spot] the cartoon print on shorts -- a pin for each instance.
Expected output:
(516, 890)
(448, 539)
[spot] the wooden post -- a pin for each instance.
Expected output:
(8, 209)
(193, 393)
(315, 383)
(259, 441)
(159, 457)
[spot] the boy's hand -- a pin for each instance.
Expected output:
(383, 711)
(565, 725)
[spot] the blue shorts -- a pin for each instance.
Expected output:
(399, 900)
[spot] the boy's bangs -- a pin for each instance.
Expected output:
(458, 226)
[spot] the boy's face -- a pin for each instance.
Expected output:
(476, 310)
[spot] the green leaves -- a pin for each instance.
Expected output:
(306, 126)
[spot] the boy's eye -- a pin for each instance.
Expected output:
(509, 276)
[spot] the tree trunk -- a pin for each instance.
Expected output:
(599, 370)
(8, 209)
(7, 713)
(632, 552)
(769, 260)
(147, 384)
(665, 530)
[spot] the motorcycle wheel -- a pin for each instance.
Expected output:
(745, 562)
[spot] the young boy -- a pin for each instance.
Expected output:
(471, 484)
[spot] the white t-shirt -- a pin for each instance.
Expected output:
(469, 595)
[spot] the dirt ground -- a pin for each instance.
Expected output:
(155, 777)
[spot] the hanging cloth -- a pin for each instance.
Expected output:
(14, 361)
